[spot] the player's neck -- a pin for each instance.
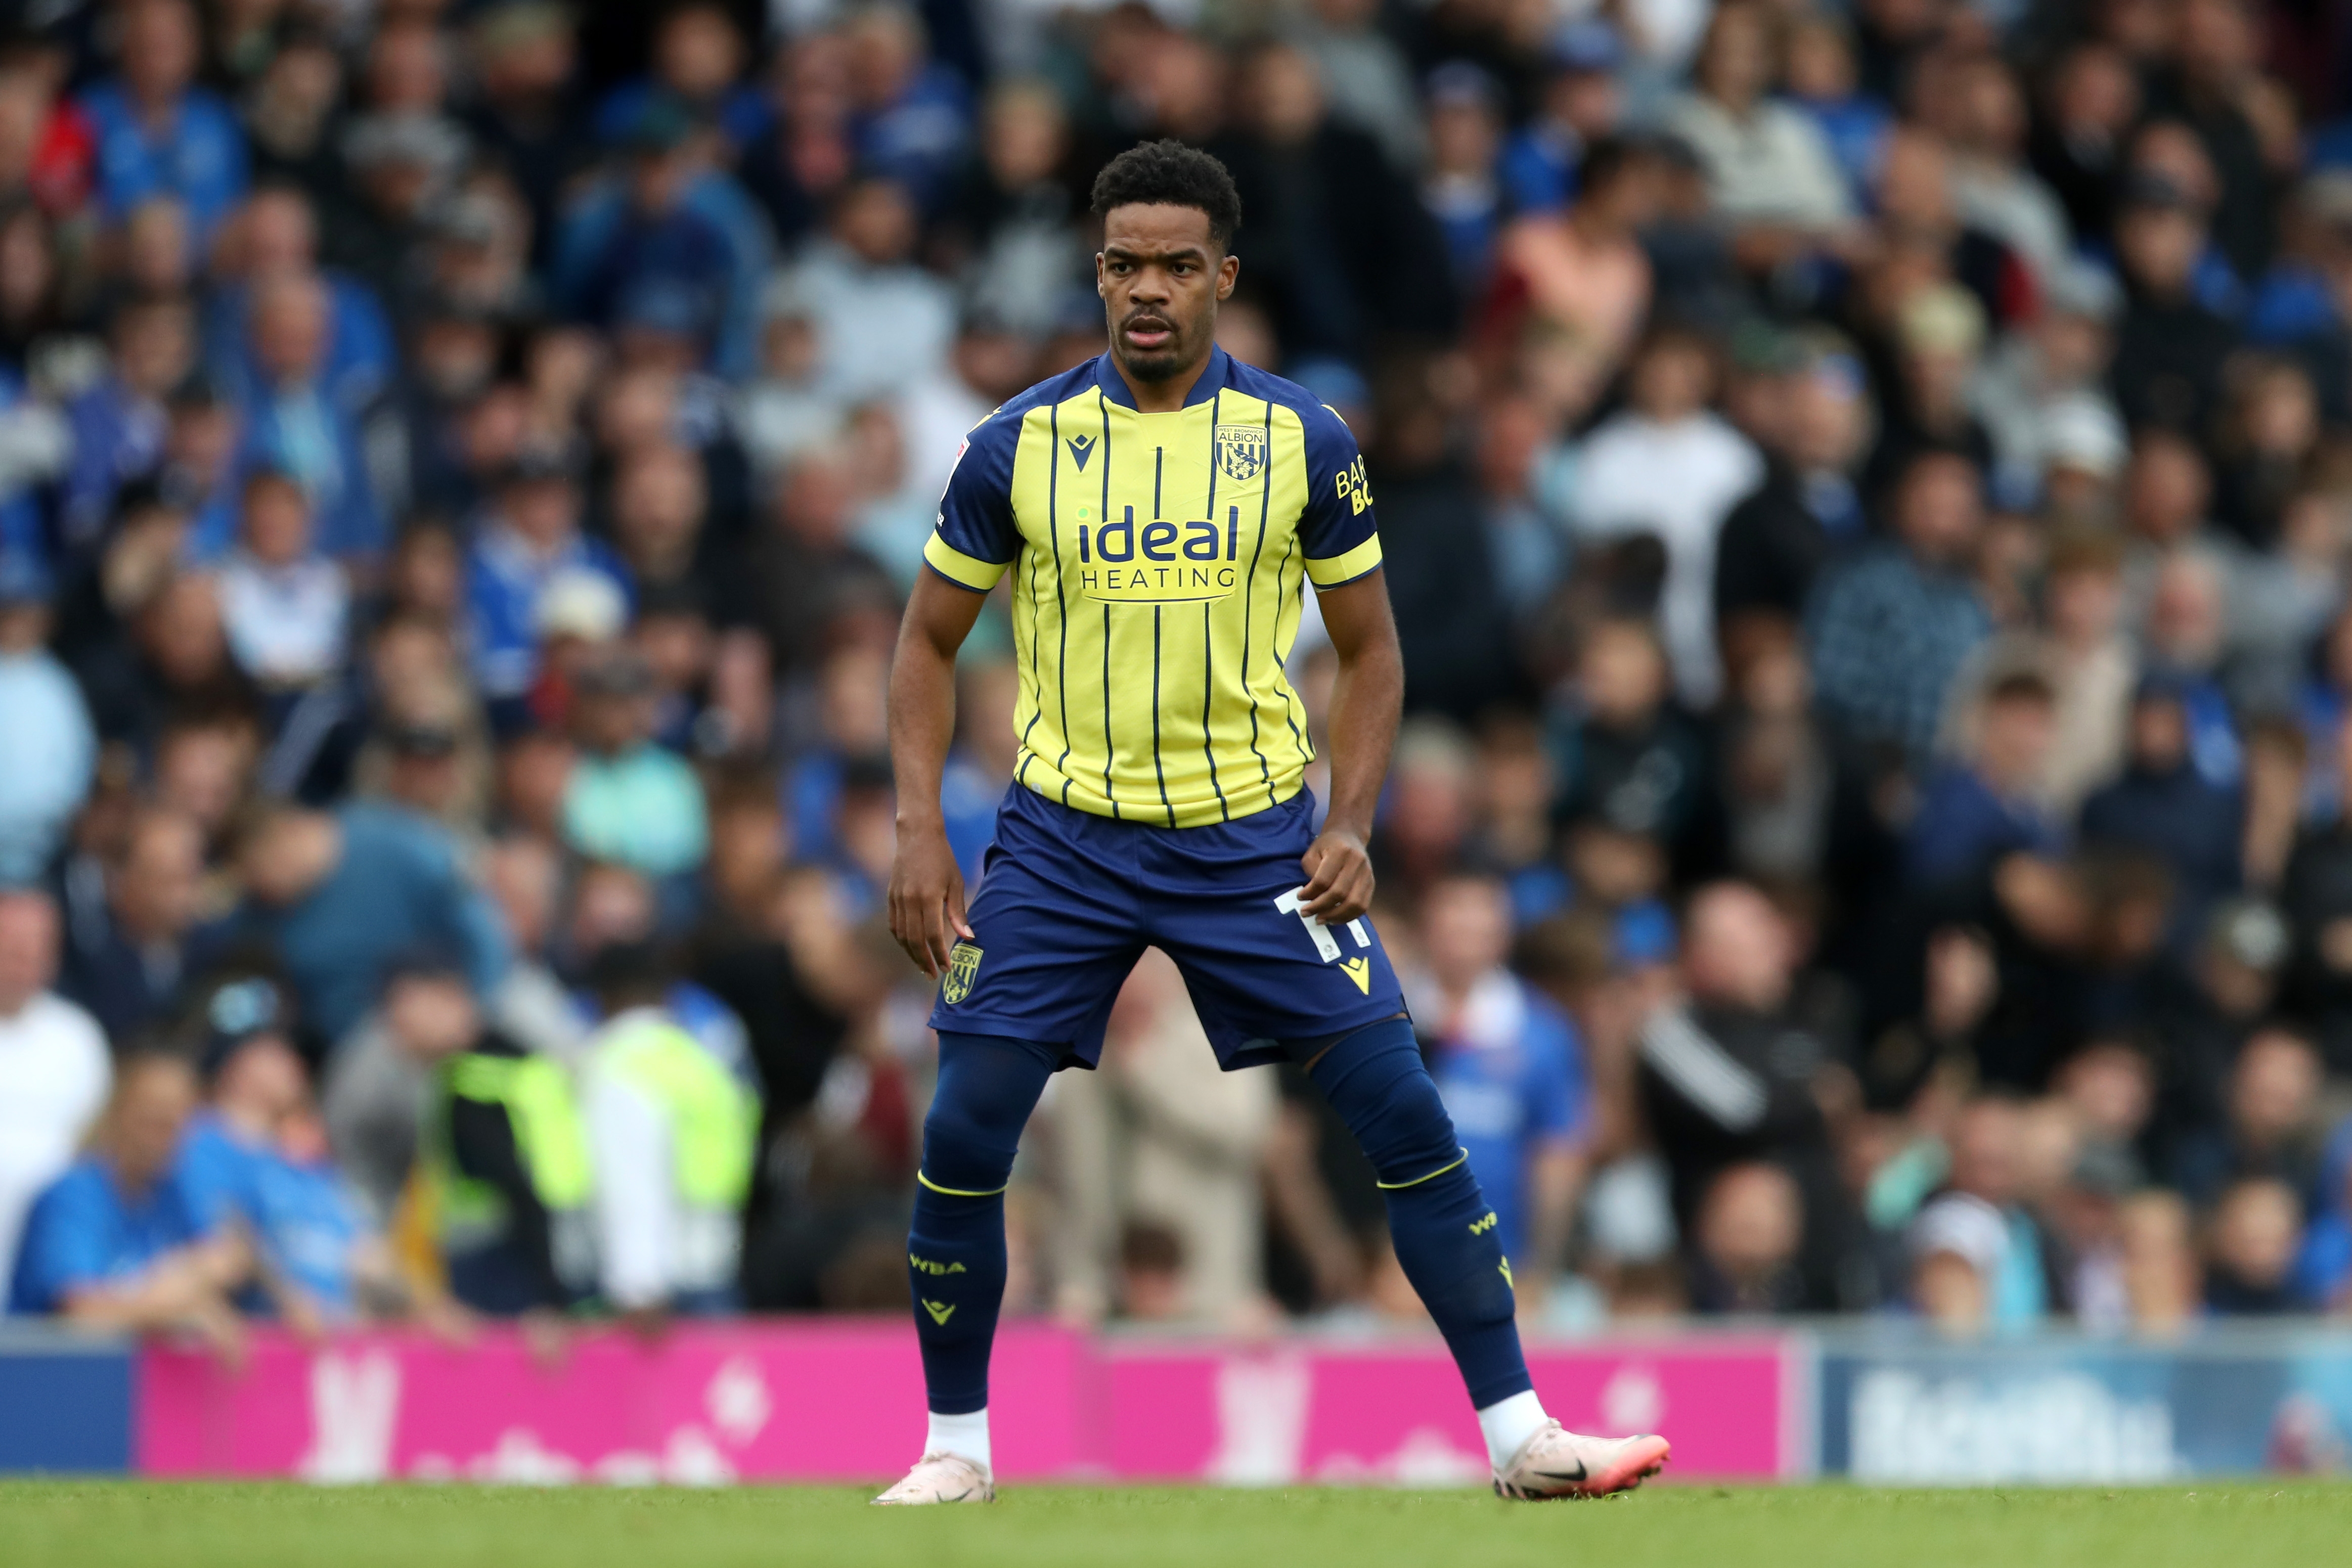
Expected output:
(1166, 396)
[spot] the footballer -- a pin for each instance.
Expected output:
(1161, 511)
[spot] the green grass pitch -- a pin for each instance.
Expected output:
(100, 1524)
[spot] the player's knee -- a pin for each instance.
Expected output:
(1375, 1079)
(965, 1156)
(987, 1088)
(1411, 1139)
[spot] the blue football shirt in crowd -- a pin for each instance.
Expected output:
(198, 155)
(400, 884)
(301, 1214)
(216, 1171)
(1511, 1073)
(86, 1230)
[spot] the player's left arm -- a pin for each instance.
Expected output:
(1342, 544)
(1366, 701)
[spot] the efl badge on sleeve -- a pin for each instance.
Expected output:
(1241, 451)
(962, 965)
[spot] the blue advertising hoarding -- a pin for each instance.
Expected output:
(64, 1402)
(1905, 1409)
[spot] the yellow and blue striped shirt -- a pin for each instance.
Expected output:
(1160, 564)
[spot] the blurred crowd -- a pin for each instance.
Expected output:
(1866, 489)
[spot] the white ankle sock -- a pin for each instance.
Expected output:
(966, 1437)
(1508, 1424)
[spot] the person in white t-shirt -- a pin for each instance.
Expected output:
(1669, 465)
(284, 605)
(55, 1071)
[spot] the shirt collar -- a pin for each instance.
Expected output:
(1213, 380)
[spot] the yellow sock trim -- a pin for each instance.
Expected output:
(991, 1192)
(1392, 1185)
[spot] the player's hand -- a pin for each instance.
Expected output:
(927, 912)
(1338, 877)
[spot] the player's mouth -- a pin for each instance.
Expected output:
(1148, 332)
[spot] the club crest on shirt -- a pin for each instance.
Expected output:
(1241, 451)
(963, 964)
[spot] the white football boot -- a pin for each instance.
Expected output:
(943, 1478)
(1557, 1462)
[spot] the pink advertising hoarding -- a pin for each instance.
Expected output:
(1394, 1412)
(842, 1400)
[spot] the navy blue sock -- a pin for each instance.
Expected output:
(955, 1251)
(1443, 1231)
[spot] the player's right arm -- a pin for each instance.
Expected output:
(976, 542)
(927, 911)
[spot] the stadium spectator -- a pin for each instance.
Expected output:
(1769, 170)
(1889, 632)
(157, 133)
(1547, 161)
(1623, 486)
(1968, 815)
(669, 1128)
(1726, 1077)
(52, 748)
(1978, 1251)
(128, 960)
(1745, 1258)
(1806, 511)
(2250, 1272)
(252, 1162)
(294, 423)
(2274, 1128)
(1625, 753)
(1370, 237)
(886, 322)
(530, 542)
(648, 253)
(1460, 189)
(2162, 807)
(54, 1064)
(629, 800)
(119, 425)
(338, 895)
(117, 1242)
(1509, 1067)
(2169, 344)
(499, 1145)
(276, 236)
(283, 605)
(2091, 665)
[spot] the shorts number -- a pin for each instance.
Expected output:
(1326, 943)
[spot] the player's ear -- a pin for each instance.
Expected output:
(1100, 287)
(1228, 271)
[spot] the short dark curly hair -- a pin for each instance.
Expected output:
(1167, 172)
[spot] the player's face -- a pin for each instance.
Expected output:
(1161, 277)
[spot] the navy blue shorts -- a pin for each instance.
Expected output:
(1068, 901)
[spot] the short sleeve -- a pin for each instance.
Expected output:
(64, 1246)
(977, 539)
(1337, 530)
